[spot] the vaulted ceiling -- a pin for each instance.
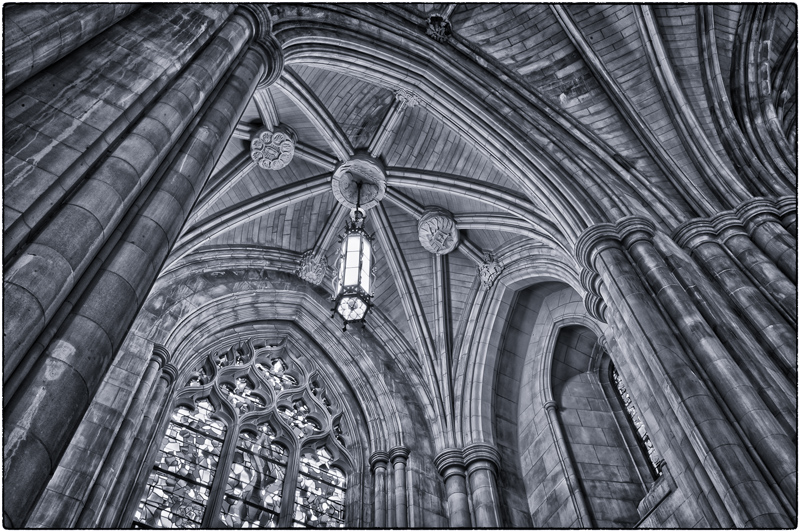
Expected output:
(531, 123)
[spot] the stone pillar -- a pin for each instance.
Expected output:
(483, 462)
(124, 494)
(767, 374)
(399, 455)
(787, 210)
(763, 223)
(450, 464)
(119, 450)
(60, 387)
(37, 35)
(38, 281)
(378, 462)
(747, 408)
(779, 288)
(564, 456)
(747, 497)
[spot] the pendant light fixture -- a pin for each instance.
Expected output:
(352, 297)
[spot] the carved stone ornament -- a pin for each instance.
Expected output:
(361, 168)
(311, 268)
(439, 28)
(489, 270)
(437, 231)
(273, 149)
(408, 98)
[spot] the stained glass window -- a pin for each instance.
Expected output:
(267, 410)
(653, 456)
(319, 496)
(255, 481)
(179, 486)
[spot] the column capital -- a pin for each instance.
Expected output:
(272, 55)
(169, 373)
(727, 225)
(592, 301)
(692, 233)
(786, 205)
(756, 211)
(399, 454)
(595, 306)
(633, 229)
(450, 462)
(378, 459)
(160, 355)
(481, 455)
(550, 405)
(594, 240)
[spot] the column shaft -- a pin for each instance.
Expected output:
(735, 477)
(62, 384)
(575, 489)
(770, 326)
(450, 464)
(748, 409)
(763, 223)
(378, 461)
(38, 281)
(119, 451)
(399, 456)
(482, 462)
(61, 124)
(127, 487)
(37, 35)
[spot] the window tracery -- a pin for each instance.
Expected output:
(254, 441)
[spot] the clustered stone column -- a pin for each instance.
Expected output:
(131, 207)
(715, 405)
(378, 462)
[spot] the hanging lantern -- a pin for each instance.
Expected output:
(352, 298)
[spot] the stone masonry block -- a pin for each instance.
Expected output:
(72, 234)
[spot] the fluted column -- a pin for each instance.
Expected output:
(450, 464)
(125, 493)
(59, 389)
(571, 476)
(747, 408)
(483, 462)
(762, 221)
(746, 495)
(378, 462)
(37, 35)
(121, 446)
(399, 455)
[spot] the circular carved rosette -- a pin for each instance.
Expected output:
(273, 149)
(437, 231)
(361, 168)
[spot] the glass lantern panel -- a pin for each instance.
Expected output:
(340, 279)
(366, 262)
(352, 308)
(352, 260)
